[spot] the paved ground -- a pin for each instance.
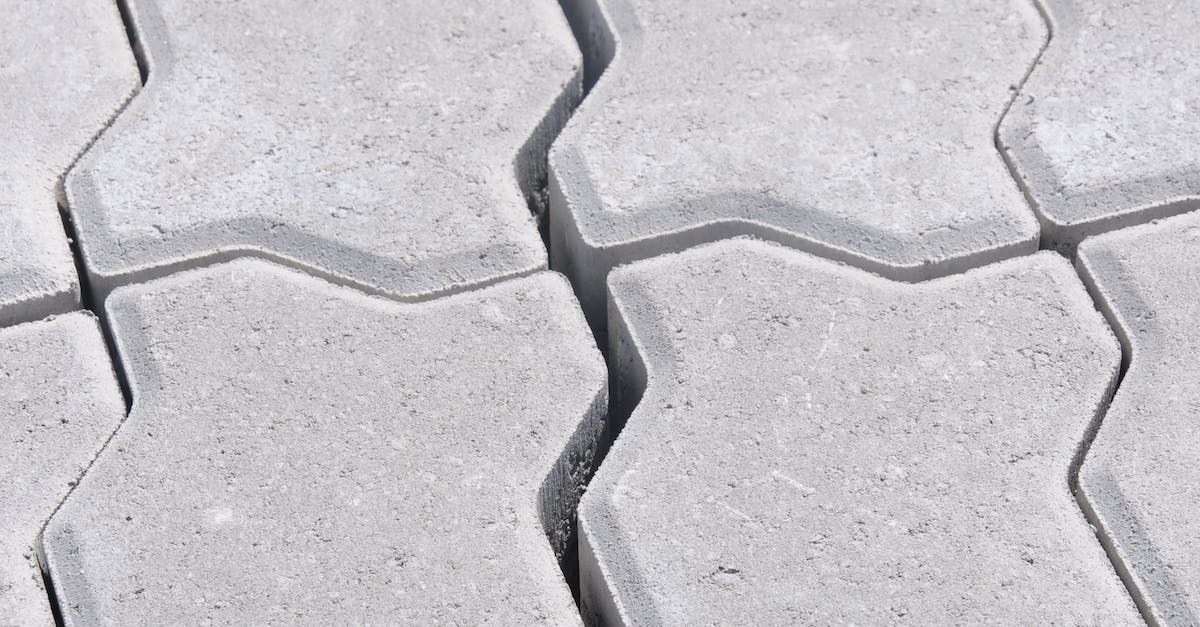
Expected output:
(606, 310)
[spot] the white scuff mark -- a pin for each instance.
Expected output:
(805, 490)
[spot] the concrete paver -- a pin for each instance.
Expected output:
(1106, 132)
(59, 402)
(65, 70)
(299, 452)
(816, 444)
(861, 131)
(381, 143)
(1142, 476)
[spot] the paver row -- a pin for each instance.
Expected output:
(814, 443)
(65, 70)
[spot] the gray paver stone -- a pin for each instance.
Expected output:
(299, 452)
(1142, 474)
(382, 143)
(1106, 131)
(816, 445)
(860, 130)
(59, 403)
(65, 70)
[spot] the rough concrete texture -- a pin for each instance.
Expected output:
(818, 445)
(1141, 476)
(65, 70)
(299, 452)
(861, 131)
(380, 143)
(1106, 132)
(59, 402)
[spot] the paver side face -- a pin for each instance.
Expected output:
(372, 140)
(809, 122)
(1108, 125)
(1141, 474)
(65, 69)
(59, 402)
(299, 452)
(817, 444)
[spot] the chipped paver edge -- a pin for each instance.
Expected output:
(288, 246)
(567, 471)
(1032, 168)
(635, 383)
(613, 42)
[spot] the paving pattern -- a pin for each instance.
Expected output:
(463, 313)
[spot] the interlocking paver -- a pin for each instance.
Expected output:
(1106, 132)
(817, 444)
(859, 130)
(65, 69)
(382, 143)
(301, 452)
(1140, 476)
(59, 402)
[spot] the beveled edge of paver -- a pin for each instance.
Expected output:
(639, 368)
(579, 248)
(566, 470)
(1157, 594)
(1136, 202)
(60, 295)
(212, 244)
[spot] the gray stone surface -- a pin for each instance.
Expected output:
(818, 445)
(860, 130)
(1141, 476)
(382, 143)
(302, 453)
(65, 69)
(59, 402)
(1106, 132)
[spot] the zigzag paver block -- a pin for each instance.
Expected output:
(380, 143)
(300, 452)
(59, 403)
(1140, 476)
(816, 444)
(65, 70)
(1106, 132)
(862, 131)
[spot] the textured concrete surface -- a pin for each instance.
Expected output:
(302, 453)
(59, 402)
(816, 444)
(1141, 476)
(861, 131)
(1106, 132)
(382, 143)
(65, 70)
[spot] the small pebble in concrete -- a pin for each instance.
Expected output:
(299, 452)
(59, 403)
(864, 131)
(1142, 474)
(384, 143)
(65, 70)
(1106, 132)
(819, 445)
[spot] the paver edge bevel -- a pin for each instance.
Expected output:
(286, 245)
(554, 502)
(629, 348)
(1059, 233)
(618, 45)
(1092, 254)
